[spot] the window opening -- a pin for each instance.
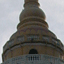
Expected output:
(33, 51)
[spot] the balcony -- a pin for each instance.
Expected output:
(34, 59)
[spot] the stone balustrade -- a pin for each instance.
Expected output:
(34, 59)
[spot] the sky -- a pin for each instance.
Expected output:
(9, 18)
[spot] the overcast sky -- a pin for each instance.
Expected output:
(9, 18)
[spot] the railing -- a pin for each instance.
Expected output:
(34, 59)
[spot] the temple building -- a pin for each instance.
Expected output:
(33, 42)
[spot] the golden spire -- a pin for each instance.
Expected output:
(32, 12)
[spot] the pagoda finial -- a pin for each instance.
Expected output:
(32, 2)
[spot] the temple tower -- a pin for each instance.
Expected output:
(33, 42)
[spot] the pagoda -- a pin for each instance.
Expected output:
(33, 42)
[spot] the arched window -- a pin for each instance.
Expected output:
(33, 51)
